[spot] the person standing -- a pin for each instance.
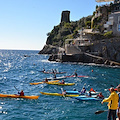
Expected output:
(118, 110)
(112, 104)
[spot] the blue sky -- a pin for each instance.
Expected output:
(25, 23)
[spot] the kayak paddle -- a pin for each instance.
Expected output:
(62, 92)
(100, 111)
(16, 88)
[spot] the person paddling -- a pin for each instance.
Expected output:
(63, 82)
(75, 74)
(46, 80)
(21, 93)
(82, 92)
(100, 95)
(54, 75)
(64, 92)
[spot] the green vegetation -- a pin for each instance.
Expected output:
(65, 31)
(108, 34)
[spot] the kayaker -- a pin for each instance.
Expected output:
(46, 80)
(100, 95)
(43, 69)
(112, 104)
(83, 91)
(54, 75)
(64, 92)
(53, 71)
(74, 89)
(63, 82)
(21, 93)
(75, 74)
(89, 94)
(118, 110)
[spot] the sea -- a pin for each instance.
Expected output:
(18, 68)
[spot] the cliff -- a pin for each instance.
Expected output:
(49, 49)
(104, 45)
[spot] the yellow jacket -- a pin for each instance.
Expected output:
(113, 101)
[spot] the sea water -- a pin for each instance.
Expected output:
(18, 70)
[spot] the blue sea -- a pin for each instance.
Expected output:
(18, 70)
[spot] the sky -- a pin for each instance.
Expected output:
(24, 24)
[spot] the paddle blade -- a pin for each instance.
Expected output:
(100, 111)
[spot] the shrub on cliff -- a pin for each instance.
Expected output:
(108, 34)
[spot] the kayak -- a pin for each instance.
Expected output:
(65, 84)
(78, 76)
(58, 78)
(18, 96)
(44, 82)
(78, 92)
(52, 72)
(57, 94)
(85, 98)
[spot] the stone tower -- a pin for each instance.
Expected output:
(65, 16)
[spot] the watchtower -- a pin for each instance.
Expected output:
(65, 16)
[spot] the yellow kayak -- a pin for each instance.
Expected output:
(65, 84)
(44, 82)
(58, 94)
(18, 96)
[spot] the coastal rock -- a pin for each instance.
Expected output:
(49, 49)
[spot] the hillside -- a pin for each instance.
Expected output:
(69, 30)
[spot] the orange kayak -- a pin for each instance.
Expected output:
(18, 96)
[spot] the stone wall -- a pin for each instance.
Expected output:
(108, 48)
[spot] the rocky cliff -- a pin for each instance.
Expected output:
(104, 45)
(49, 49)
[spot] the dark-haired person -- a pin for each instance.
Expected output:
(100, 96)
(21, 93)
(118, 110)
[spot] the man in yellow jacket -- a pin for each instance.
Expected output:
(112, 105)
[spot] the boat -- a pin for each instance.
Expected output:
(65, 84)
(86, 98)
(57, 78)
(43, 82)
(78, 76)
(57, 94)
(18, 96)
(78, 92)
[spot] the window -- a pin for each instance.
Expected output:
(119, 27)
(118, 19)
(110, 26)
(119, 23)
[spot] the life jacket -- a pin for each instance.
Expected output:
(21, 93)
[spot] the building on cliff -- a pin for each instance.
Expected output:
(80, 44)
(113, 23)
